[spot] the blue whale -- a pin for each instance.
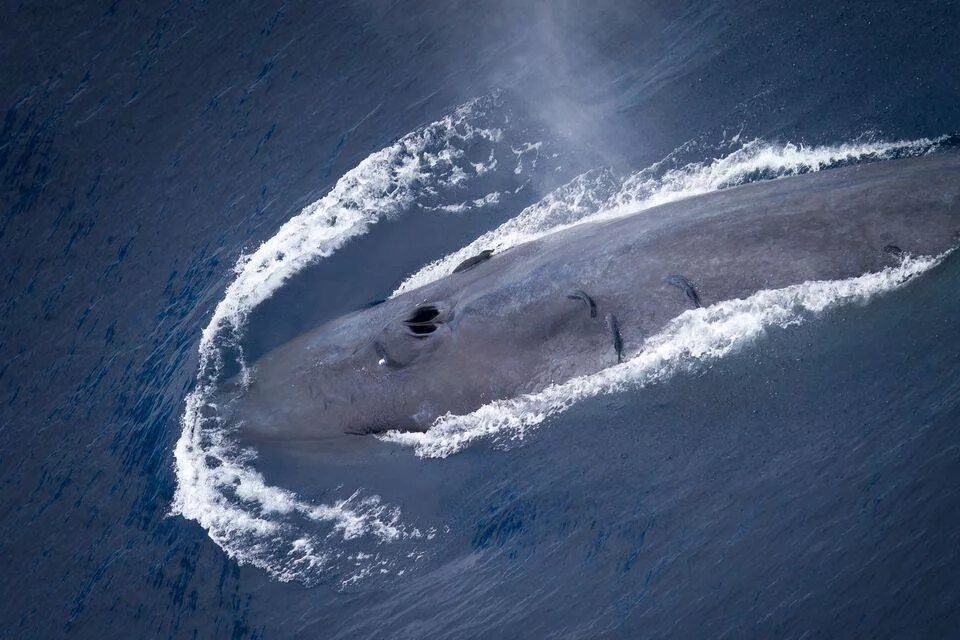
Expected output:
(576, 301)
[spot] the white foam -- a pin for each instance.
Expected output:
(217, 486)
(588, 197)
(695, 337)
(489, 200)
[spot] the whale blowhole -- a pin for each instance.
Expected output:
(423, 313)
(423, 321)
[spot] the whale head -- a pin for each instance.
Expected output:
(407, 361)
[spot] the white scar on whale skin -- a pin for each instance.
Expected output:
(694, 337)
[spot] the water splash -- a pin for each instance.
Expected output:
(292, 538)
(693, 338)
(217, 483)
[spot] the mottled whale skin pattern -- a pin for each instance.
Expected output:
(508, 325)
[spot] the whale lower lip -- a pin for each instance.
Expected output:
(511, 325)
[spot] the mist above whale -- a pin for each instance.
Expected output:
(576, 301)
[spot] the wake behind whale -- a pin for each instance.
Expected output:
(524, 320)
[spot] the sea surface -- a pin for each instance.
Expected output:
(186, 186)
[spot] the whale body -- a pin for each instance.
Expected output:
(576, 301)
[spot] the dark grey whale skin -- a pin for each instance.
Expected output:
(507, 327)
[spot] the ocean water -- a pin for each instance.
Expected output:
(185, 187)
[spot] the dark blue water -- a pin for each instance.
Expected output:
(804, 486)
